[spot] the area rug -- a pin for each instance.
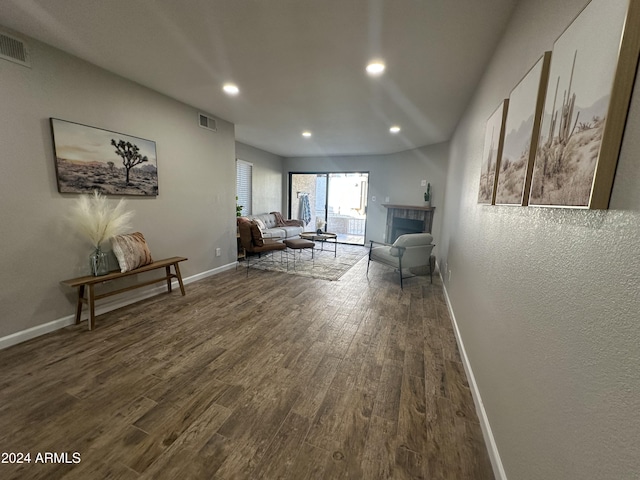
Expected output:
(324, 265)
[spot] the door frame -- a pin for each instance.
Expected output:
(326, 205)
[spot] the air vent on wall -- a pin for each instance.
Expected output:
(207, 122)
(14, 50)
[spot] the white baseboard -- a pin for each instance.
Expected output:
(103, 307)
(29, 333)
(494, 455)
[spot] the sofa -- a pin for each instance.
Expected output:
(276, 227)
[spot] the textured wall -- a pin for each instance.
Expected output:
(192, 215)
(547, 300)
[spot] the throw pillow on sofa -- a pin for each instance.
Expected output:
(260, 224)
(256, 234)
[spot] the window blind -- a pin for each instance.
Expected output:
(243, 185)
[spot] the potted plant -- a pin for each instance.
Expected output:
(427, 195)
(238, 208)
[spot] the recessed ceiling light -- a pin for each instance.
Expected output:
(376, 67)
(394, 129)
(230, 88)
(306, 134)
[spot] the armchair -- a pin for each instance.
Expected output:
(409, 250)
(252, 241)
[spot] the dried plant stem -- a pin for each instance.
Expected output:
(96, 221)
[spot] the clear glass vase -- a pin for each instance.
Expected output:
(99, 263)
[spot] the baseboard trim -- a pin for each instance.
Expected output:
(487, 433)
(104, 307)
(33, 332)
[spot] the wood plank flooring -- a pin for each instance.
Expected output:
(273, 376)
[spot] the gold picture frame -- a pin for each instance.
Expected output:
(590, 83)
(522, 130)
(492, 152)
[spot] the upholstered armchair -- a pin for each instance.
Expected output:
(408, 251)
(252, 241)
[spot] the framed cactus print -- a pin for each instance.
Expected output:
(591, 78)
(493, 140)
(522, 130)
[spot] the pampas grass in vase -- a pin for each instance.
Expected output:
(94, 219)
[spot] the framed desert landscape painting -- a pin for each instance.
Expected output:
(89, 158)
(493, 139)
(591, 78)
(522, 129)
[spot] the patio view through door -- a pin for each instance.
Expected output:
(340, 199)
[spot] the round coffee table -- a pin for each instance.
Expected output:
(322, 238)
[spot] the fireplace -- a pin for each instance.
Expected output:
(400, 226)
(403, 219)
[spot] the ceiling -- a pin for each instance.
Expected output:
(299, 64)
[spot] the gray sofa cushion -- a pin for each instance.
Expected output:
(291, 231)
(268, 219)
(274, 232)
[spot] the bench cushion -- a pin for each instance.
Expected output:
(131, 251)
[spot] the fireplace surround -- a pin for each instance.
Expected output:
(403, 219)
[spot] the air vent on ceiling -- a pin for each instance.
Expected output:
(207, 122)
(14, 50)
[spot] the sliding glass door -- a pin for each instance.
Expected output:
(338, 199)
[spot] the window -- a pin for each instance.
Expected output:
(243, 185)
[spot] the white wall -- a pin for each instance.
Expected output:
(396, 176)
(547, 299)
(193, 214)
(267, 178)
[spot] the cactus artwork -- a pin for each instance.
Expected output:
(578, 101)
(521, 135)
(494, 135)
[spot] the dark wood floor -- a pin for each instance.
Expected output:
(274, 376)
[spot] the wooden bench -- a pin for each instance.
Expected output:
(91, 281)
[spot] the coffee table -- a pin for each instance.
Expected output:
(322, 238)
